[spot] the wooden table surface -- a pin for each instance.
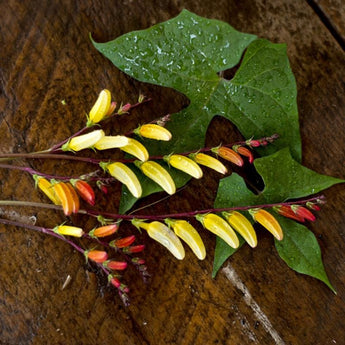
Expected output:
(46, 57)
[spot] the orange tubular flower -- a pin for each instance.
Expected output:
(74, 197)
(104, 231)
(115, 265)
(98, 256)
(229, 155)
(85, 191)
(63, 193)
(244, 152)
(267, 221)
(123, 242)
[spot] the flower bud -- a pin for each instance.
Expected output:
(84, 141)
(229, 155)
(243, 226)
(219, 227)
(287, 212)
(268, 222)
(136, 149)
(47, 188)
(115, 265)
(126, 176)
(313, 206)
(153, 131)
(123, 242)
(63, 193)
(69, 230)
(245, 152)
(124, 109)
(303, 212)
(100, 108)
(111, 142)
(104, 231)
(184, 164)
(98, 256)
(188, 234)
(84, 190)
(158, 174)
(209, 162)
(134, 249)
(74, 197)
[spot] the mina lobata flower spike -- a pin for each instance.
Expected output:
(219, 227)
(188, 234)
(184, 164)
(158, 174)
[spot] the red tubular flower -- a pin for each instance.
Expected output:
(85, 191)
(74, 197)
(116, 265)
(104, 231)
(303, 212)
(287, 212)
(135, 249)
(245, 152)
(98, 256)
(313, 206)
(114, 281)
(123, 242)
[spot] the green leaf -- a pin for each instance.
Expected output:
(186, 53)
(284, 179)
(300, 250)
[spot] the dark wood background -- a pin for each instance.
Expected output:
(46, 57)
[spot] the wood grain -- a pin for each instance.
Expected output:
(46, 58)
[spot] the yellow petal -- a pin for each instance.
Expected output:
(243, 226)
(157, 173)
(136, 149)
(47, 188)
(153, 131)
(219, 227)
(187, 233)
(126, 176)
(100, 108)
(185, 164)
(84, 141)
(268, 221)
(111, 142)
(209, 162)
(162, 234)
(69, 230)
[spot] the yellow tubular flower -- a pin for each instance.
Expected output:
(126, 176)
(209, 162)
(153, 131)
(162, 234)
(268, 222)
(84, 141)
(100, 108)
(111, 142)
(136, 149)
(184, 164)
(219, 227)
(47, 188)
(69, 230)
(188, 234)
(243, 226)
(158, 174)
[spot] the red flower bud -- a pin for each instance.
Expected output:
(116, 265)
(85, 191)
(287, 212)
(138, 261)
(303, 212)
(313, 206)
(115, 282)
(245, 152)
(123, 242)
(135, 249)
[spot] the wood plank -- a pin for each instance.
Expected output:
(255, 299)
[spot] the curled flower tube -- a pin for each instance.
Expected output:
(104, 231)
(268, 222)
(184, 164)
(163, 235)
(125, 175)
(84, 190)
(219, 227)
(111, 142)
(98, 256)
(100, 108)
(69, 230)
(188, 234)
(84, 141)
(209, 162)
(136, 149)
(153, 131)
(244, 152)
(158, 174)
(243, 226)
(47, 188)
(64, 195)
(228, 154)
